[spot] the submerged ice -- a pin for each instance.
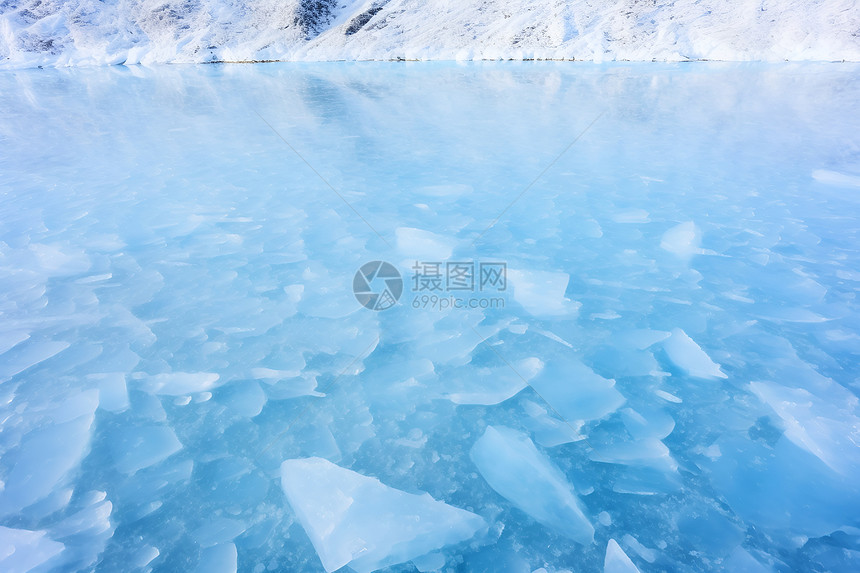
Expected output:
(666, 381)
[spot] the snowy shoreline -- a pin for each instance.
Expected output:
(34, 33)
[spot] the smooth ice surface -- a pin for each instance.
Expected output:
(678, 336)
(514, 467)
(358, 521)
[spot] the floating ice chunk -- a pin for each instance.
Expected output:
(668, 397)
(641, 338)
(553, 336)
(22, 550)
(138, 447)
(304, 385)
(541, 293)
(783, 487)
(575, 391)
(835, 178)
(48, 454)
(683, 240)
(616, 561)
(92, 520)
(423, 245)
(827, 427)
(246, 398)
(514, 467)
(645, 553)
(450, 190)
(489, 386)
(72, 407)
(180, 383)
(429, 562)
(548, 430)
(358, 521)
(325, 294)
(221, 558)
(689, 356)
(218, 530)
(144, 556)
(11, 338)
(740, 561)
(55, 261)
(113, 393)
(23, 357)
(649, 452)
(632, 216)
(273, 375)
(649, 423)
(791, 315)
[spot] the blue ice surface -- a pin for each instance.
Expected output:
(675, 353)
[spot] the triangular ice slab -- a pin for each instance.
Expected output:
(514, 467)
(358, 521)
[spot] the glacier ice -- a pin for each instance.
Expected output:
(514, 467)
(358, 521)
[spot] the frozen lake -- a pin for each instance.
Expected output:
(618, 326)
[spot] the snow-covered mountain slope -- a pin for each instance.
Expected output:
(85, 32)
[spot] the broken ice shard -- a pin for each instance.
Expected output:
(514, 467)
(358, 521)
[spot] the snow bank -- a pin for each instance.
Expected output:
(83, 32)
